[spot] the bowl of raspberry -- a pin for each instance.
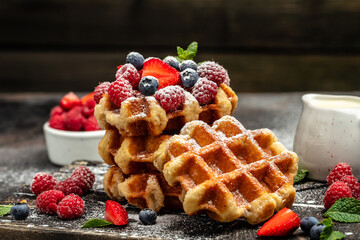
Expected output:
(72, 132)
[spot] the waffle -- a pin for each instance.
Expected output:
(141, 116)
(230, 172)
(144, 190)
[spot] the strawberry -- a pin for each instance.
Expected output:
(88, 97)
(70, 100)
(162, 71)
(283, 223)
(115, 213)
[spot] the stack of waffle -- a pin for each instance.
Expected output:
(136, 141)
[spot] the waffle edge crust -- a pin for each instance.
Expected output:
(230, 172)
(140, 116)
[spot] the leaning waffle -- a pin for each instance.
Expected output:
(140, 116)
(230, 172)
(144, 190)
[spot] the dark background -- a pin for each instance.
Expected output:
(267, 46)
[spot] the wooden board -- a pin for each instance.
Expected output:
(170, 225)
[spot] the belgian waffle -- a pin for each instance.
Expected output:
(144, 190)
(141, 116)
(230, 172)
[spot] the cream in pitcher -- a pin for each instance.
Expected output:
(328, 133)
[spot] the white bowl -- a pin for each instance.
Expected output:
(64, 147)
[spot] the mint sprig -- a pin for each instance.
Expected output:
(301, 175)
(328, 232)
(95, 222)
(187, 54)
(5, 209)
(344, 210)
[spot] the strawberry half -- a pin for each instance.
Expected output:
(88, 97)
(115, 213)
(69, 101)
(162, 71)
(283, 223)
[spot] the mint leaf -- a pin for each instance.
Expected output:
(187, 54)
(95, 222)
(344, 210)
(328, 232)
(5, 209)
(301, 175)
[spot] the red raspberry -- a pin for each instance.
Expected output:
(47, 201)
(72, 206)
(119, 91)
(84, 178)
(100, 90)
(42, 182)
(340, 170)
(91, 124)
(130, 73)
(88, 112)
(204, 91)
(74, 120)
(68, 186)
(58, 121)
(336, 191)
(170, 97)
(353, 184)
(57, 110)
(227, 80)
(212, 71)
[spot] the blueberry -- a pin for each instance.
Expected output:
(315, 232)
(147, 216)
(189, 77)
(135, 59)
(148, 85)
(19, 211)
(188, 64)
(173, 62)
(307, 223)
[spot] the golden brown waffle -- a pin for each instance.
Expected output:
(230, 172)
(144, 190)
(141, 116)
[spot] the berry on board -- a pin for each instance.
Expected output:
(42, 182)
(115, 213)
(148, 216)
(20, 211)
(70, 207)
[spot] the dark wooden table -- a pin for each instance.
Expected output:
(23, 153)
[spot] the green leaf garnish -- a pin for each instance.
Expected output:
(95, 222)
(328, 232)
(187, 54)
(5, 209)
(301, 175)
(344, 210)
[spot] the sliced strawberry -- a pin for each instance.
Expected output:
(283, 223)
(115, 213)
(69, 101)
(88, 97)
(162, 71)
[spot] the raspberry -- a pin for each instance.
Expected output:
(68, 186)
(57, 110)
(42, 182)
(100, 90)
(74, 119)
(353, 184)
(88, 112)
(336, 191)
(129, 72)
(227, 80)
(47, 201)
(84, 178)
(340, 170)
(212, 71)
(119, 91)
(204, 91)
(170, 97)
(72, 206)
(58, 121)
(91, 124)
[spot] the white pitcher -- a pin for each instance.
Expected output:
(328, 132)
